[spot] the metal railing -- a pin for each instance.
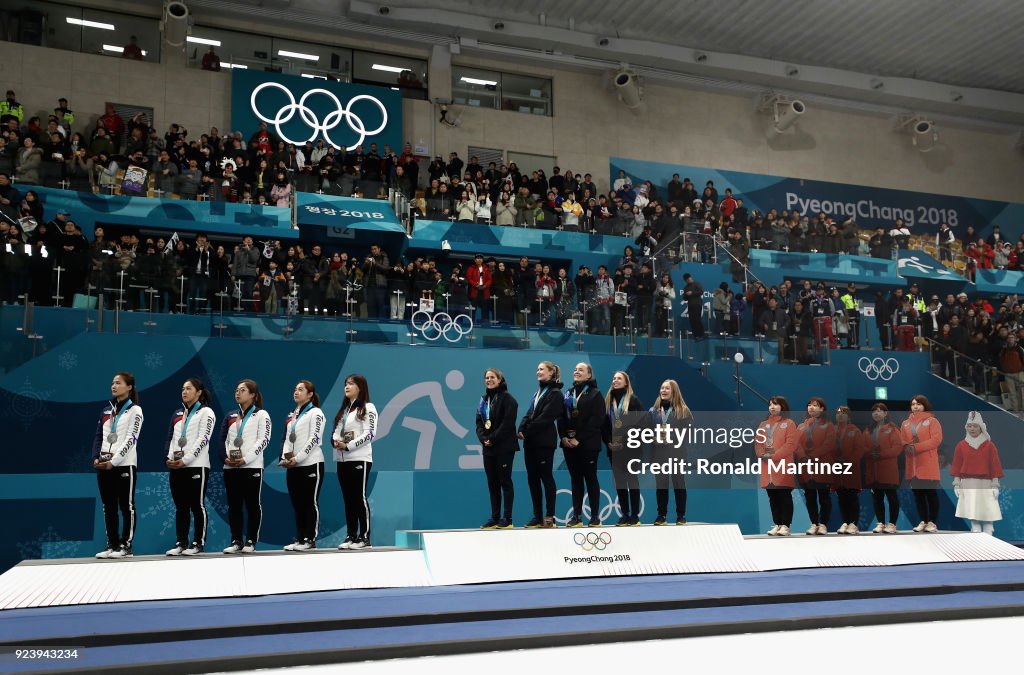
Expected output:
(988, 374)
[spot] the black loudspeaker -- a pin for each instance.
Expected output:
(335, 61)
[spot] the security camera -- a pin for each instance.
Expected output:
(786, 113)
(924, 136)
(384, 11)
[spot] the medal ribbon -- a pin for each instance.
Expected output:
(576, 395)
(665, 414)
(537, 397)
(245, 418)
(295, 422)
(344, 417)
(616, 413)
(771, 434)
(113, 426)
(199, 404)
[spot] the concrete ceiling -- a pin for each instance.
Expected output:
(946, 57)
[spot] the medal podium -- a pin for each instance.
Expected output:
(458, 591)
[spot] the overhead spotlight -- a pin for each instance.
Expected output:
(627, 87)
(876, 83)
(175, 23)
(603, 41)
(384, 11)
(923, 135)
(700, 57)
(792, 71)
(498, 25)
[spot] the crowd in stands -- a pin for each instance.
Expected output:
(191, 273)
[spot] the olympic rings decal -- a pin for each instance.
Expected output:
(442, 325)
(878, 368)
(608, 509)
(592, 541)
(332, 120)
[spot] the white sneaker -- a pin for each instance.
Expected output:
(813, 529)
(303, 546)
(842, 529)
(194, 549)
(234, 548)
(105, 553)
(347, 544)
(920, 526)
(249, 547)
(291, 546)
(891, 528)
(879, 529)
(931, 528)
(359, 543)
(774, 531)
(822, 529)
(177, 550)
(853, 529)
(784, 531)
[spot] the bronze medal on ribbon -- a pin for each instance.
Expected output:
(618, 424)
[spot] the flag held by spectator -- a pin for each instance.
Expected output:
(171, 243)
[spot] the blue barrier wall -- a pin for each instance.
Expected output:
(88, 210)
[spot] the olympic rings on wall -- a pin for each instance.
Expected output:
(878, 368)
(441, 325)
(331, 121)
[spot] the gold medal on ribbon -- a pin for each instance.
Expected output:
(487, 424)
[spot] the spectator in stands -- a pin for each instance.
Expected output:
(113, 126)
(483, 210)
(211, 61)
(80, 171)
(29, 159)
(944, 239)
(881, 244)
(900, 234)
(11, 109)
(132, 50)
(1011, 363)
(244, 267)
(281, 192)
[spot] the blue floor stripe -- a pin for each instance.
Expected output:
(45, 622)
(443, 633)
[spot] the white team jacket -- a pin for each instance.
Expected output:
(359, 448)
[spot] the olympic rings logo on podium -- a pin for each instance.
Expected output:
(878, 368)
(592, 541)
(332, 120)
(441, 324)
(609, 506)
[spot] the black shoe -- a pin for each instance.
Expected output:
(661, 520)
(491, 524)
(680, 520)
(534, 523)
(505, 524)
(624, 520)
(574, 522)
(635, 520)
(595, 522)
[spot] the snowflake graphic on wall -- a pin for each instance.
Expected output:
(49, 544)
(153, 360)
(67, 360)
(159, 511)
(27, 404)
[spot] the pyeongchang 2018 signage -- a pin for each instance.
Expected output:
(298, 109)
(869, 206)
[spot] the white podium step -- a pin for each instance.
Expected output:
(451, 557)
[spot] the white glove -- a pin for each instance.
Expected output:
(956, 487)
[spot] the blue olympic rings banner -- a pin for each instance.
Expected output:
(869, 206)
(298, 109)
